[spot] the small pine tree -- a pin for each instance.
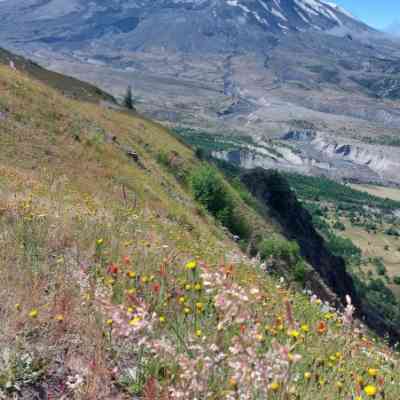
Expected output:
(128, 99)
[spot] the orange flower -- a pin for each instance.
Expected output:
(322, 327)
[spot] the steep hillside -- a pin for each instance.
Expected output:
(71, 87)
(115, 282)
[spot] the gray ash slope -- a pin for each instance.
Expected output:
(255, 67)
(186, 25)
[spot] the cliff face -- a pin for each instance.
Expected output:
(273, 191)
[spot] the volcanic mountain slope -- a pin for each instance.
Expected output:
(232, 23)
(115, 283)
(263, 68)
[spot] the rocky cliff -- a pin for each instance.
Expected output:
(273, 191)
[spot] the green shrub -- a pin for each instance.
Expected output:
(299, 272)
(344, 248)
(200, 153)
(392, 232)
(381, 270)
(396, 280)
(286, 250)
(163, 159)
(379, 265)
(339, 226)
(209, 189)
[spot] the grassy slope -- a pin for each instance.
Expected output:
(69, 86)
(96, 293)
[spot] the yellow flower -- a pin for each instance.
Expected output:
(339, 385)
(199, 332)
(145, 279)
(33, 313)
(259, 337)
(131, 274)
(186, 310)
(191, 265)
(198, 286)
(110, 281)
(99, 242)
(307, 375)
(188, 286)
(18, 307)
(109, 322)
(130, 310)
(328, 316)
(134, 321)
(131, 291)
(274, 386)
(59, 317)
(200, 307)
(373, 372)
(182, 300)
(293, 333)
(305, 328)
(86, 296)
(162, 318)
(370, 390)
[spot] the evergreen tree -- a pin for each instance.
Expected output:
(128, 99)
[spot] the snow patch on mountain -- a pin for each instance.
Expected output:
(338, 8)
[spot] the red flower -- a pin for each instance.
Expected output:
(156, 288)
(113, 269)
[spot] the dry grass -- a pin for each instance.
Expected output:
(374, 246)
(114, 283)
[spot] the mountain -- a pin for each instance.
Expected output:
(187, 25)
(120, 276)
(265, 69)
(393, 28)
